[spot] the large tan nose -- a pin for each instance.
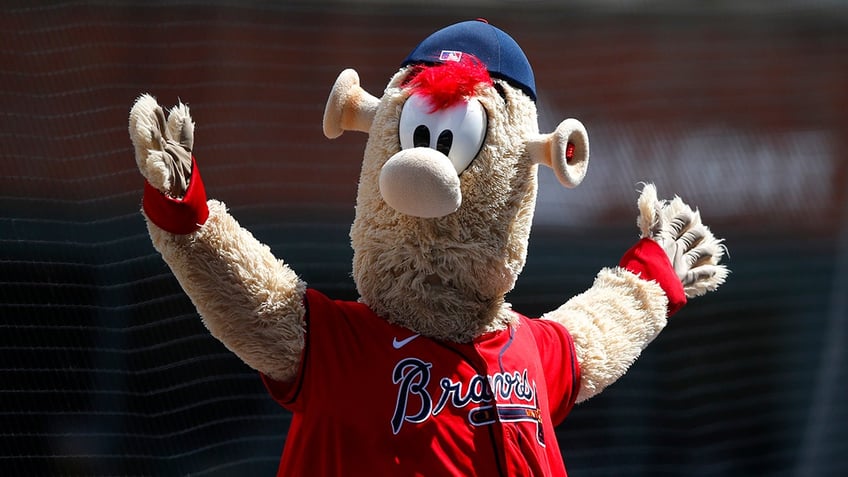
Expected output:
(421, 182)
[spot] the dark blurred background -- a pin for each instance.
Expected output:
(738, 107)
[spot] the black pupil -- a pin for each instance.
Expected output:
(444, 142)
(421, 137)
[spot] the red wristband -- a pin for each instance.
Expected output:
(178, 216)
(648, 260)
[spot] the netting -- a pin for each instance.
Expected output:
(106, 369)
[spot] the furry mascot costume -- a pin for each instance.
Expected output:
(430, 372)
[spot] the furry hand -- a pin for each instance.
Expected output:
(162, 148)
(693, 250)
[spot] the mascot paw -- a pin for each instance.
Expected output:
(694, 251)
(162, 147)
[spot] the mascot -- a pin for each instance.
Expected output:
(430, 372)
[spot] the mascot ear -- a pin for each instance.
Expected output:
(566, 151)
(349, 107)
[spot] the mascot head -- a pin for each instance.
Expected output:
(448, 183)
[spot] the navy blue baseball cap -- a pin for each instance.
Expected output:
(497, 50)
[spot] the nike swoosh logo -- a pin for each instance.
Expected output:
(398, 344)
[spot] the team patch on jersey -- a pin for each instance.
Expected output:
(488, 396)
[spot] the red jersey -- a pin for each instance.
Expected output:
(372, 398)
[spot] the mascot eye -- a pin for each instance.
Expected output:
(457, 131)
(421, 137)
(444, 143)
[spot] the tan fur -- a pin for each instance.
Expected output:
(151, 162)
(694, 251)
(649, 208)
(446, 277)
(153, 136)
(249, 300)
(611, 323)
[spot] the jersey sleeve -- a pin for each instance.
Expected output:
(336, 332)
(286, 393)
(559, 362)
(319, 311)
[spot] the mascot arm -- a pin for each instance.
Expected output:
(627, 306)
(249, 300)
(611, 323)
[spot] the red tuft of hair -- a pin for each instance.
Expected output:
(446, 84)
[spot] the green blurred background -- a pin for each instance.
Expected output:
(741, 108)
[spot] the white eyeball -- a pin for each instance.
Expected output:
(457, 131)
